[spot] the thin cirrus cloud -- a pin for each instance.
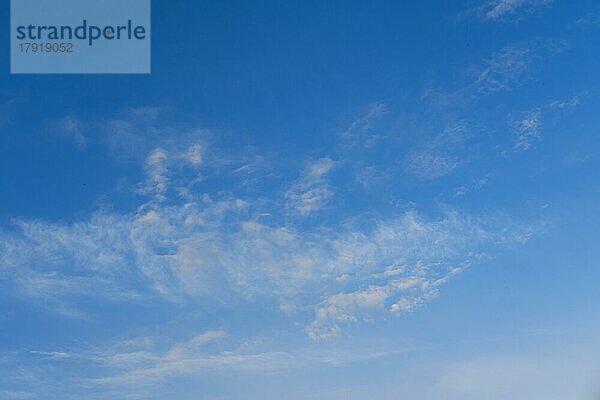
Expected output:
(188, 245)
(311, 193)
(527, 130)
(148, 365)
(188, 252)
(360, 130)
(70, 127)
(504, 70)
(131, 366)
(506, 10)
(437, 156)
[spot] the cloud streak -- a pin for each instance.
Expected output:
(502, 10)
(311, 193)
(504, 70)
(184, 246)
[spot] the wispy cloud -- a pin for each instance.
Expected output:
(436, 157)
(311, 193)
(186, 241)
(506, 69)
(16, 394)
(71, 129)
(566, 103)
(220, 246)
(395, 268)
(495, 10)
(473, 185)
(134, 365)
(527, 130)
(502, 70)
(363, 125)
(591, 19)
(190, 250)
(156, 169)
(129, 136)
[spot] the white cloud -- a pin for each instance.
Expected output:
(128, 365)
(160, 166)
(70, 128)
(527, 130)
(184, 350)
(156, 169)
(193, 155)
(151, 366)
(506, 69)
(51, 355)
(428, 165)
(436, 157)
(503, 9)
(502, 70)
(590, 19)
(319, 168)
(363, 125)
(111, 255)
(569, 103)
(311, 193)
(401, 264)
(497, 375)
(219, 246)
(474, 184)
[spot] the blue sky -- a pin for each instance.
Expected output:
(308, 200)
